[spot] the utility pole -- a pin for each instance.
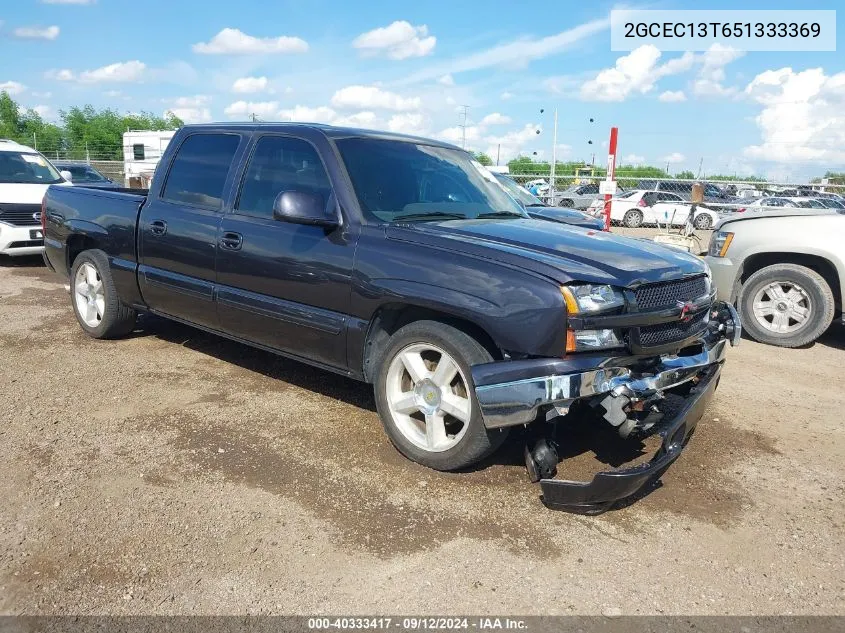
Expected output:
(554, 160)
(498, 152)
(34, 142)
(700, 163)
(463, 127)
(254, 118)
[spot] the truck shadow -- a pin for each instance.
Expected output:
(587, 444)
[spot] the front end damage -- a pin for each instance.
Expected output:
(639, 395)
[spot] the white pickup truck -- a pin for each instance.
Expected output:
(784, 270)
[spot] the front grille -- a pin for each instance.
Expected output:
(667, 294)
(665, 333)
(21, 214)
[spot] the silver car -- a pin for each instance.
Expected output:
(577, 196)
(784, 269)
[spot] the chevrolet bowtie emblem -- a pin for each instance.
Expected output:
(686, 308)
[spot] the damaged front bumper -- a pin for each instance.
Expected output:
(517, 392)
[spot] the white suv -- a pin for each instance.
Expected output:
(24, 177)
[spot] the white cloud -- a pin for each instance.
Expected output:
(495, 119)
(114, 94)
(67, 1)
(191, 109)
(42, 95)
(36, 33)
(359, 119)
(513, 143)
(505, 96)
(408, 123)
(636, 72)
(446, 80)
(674, 157)
(399, 40)
(249, 85)
(306, 114)
(236, 42)
(245, 109)
(632, 159)
(456, 134)
(803, 116)
(513, 54)
(123, 72)
(44, 111)
(63, 74)
(12, 87)
(672, 96)
(708, 82)
(364, 97)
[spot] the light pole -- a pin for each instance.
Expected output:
(554, 157)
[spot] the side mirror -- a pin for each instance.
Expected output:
(300, 207)
(66, 175)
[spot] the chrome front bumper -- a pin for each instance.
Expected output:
(519, 401)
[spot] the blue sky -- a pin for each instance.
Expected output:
(409, 66)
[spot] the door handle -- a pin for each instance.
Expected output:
(158, 227)
(231, 241)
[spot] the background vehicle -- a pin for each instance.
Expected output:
(24, 177)
(398, 261)
(712, 193)
(577, 196)
(142, 150)
(785, 271)
(783, 202)
(84, 174)
(536, 208)
(640, 207)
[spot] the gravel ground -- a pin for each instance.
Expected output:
(176, 473)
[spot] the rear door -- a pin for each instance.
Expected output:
(670, 207)
(284, 285)
(178, 228)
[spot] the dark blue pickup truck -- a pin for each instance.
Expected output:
(400, 261)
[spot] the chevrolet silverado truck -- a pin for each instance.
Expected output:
(784, 269)
(400, 262)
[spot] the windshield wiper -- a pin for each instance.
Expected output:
(499, 214)
(434, 215)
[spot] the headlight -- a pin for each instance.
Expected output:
(591, 298)
(719, 243)
(590, 340)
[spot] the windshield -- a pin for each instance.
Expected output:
(520, 193)
(27, 168)
(80, 173)
(399, 180)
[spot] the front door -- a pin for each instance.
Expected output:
(284, 285)
(178, 230)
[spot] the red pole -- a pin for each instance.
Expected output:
(611, 174)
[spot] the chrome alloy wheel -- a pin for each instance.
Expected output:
(88, 295)
(428, 396)
(782, 307)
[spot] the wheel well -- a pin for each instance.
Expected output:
(389, 318)
(75, 245)
(814, 262)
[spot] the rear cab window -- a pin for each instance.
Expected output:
(199, 170)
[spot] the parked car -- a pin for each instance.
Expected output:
(24, 177)
(830, 203)
(577, 196)
(536, 208)
(712, 193)
(784, 269)
(84, 174)
(782, 202)
(396, 261)
(639, 207)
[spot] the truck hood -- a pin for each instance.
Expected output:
(561, 252)
(774, 213)
(20, 193)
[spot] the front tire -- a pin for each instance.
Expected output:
(95, 300)
(703, 221)
(426, 398)
(633, 218)
(786, 305)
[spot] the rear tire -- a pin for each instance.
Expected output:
(633, 218)
(426, 398)
(786, 305)
(703, 221)
(95, 300)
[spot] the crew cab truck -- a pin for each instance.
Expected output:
(399, 261)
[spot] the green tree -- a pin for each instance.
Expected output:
(483, 158)
(685, 175)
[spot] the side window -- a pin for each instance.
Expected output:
(138, 151)
(281, 163)
(198, 173)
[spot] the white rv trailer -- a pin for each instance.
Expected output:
(142, 149)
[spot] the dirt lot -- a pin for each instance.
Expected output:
(174, 472)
